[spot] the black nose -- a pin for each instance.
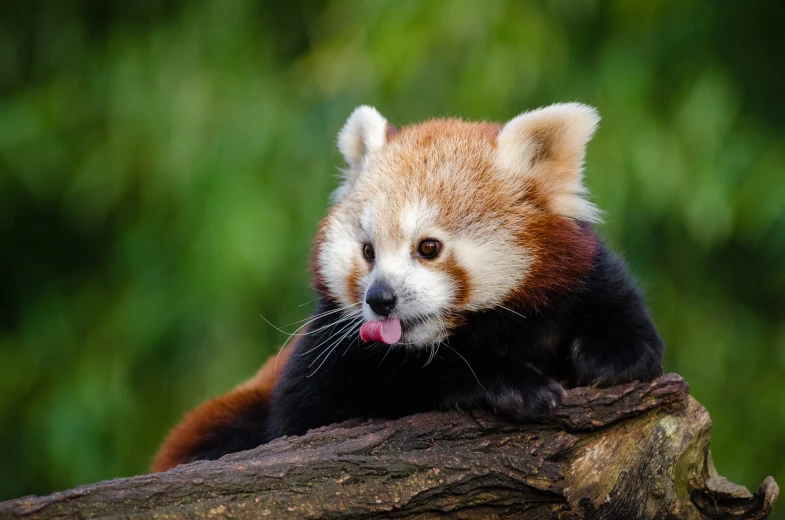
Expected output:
(381, 298)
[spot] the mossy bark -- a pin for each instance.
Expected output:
(633, 451)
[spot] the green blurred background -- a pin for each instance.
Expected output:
(163, 171)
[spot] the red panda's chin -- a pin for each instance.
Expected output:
(423, 333)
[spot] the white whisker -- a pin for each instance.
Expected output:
(347, 321)
(389, 348)
(467, 364)
(331, 349)
(315, 316)
(510, 310)
(311, 320)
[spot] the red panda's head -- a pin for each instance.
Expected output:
(444, 218)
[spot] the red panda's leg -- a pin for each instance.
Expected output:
(233, 422)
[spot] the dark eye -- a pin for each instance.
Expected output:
(368, 252)
(429, 248)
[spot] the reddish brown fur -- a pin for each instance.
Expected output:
(182, 441)
(460, 278)
(352, 282)
(438, 141)
(564, 253)
(441, 141)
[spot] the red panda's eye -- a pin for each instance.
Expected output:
(368, 252)
(429, 248)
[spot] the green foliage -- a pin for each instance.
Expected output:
(163, 171)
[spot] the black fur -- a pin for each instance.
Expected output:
(498, 360)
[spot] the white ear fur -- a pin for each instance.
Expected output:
(547, 146)
(363, 133)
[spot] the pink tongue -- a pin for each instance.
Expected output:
(386, 331)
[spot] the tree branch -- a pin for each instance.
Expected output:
(632, 451)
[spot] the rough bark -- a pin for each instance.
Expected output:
(634, 451)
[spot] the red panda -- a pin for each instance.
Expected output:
(457, 267)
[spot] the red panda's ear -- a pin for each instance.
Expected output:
(546, 147)
(363, 133)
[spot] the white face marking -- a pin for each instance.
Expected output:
(425, 292)
(367, 221)
(494, 263)
(337, 258)
(418, 220)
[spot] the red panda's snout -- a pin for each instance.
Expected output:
(381, 298)
(405, 298)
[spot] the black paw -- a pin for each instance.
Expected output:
(527, 403)
(595, 363)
